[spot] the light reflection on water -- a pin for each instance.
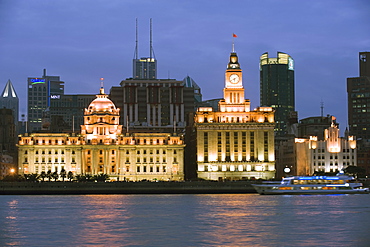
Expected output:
(185, 220)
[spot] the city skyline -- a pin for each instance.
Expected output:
(83, 42)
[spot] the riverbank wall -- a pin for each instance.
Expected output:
(79, 188)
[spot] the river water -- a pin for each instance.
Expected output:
(185, 220)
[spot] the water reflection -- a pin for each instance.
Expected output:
(184, 220)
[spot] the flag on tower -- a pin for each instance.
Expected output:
(234, 35)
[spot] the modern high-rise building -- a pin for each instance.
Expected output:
(8, 135)
(40, 93)
(277, 88)
(66, 112)
(161, 104)
(145, 67)
(358, 91)
(10, 100)
(234, 143)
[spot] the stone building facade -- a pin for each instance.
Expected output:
(235, 143)
(103, 147)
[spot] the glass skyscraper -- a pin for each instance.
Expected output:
(277, 88)
(40, 92)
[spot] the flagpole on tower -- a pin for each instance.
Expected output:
(234, 36)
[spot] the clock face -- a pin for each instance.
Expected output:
(234, 78)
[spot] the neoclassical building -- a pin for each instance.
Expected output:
(333, 154)
(235, 143)
(103, 147)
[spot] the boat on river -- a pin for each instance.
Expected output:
(340, 184)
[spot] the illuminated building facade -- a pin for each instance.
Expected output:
(102, 147)
(277, 88)
(310, 155)
(40, 92)
(235, 143)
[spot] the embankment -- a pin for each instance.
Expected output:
(75, 188)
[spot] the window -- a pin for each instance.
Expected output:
(138, 169)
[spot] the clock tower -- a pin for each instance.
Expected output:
(234, 91)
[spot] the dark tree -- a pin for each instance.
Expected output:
(49, 175)
(70, 175)
(55, 176)
(43, 175)
(63, 174)
(354, 170)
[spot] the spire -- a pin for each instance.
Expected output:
(102, 86)
(136, 42)
(152, 55)
(9, 91)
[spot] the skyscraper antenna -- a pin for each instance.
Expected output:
(136, 43)
(322, 108)
(151, 46)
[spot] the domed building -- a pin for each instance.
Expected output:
(103, 148)
(101, 120)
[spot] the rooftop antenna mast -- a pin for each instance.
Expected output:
(151, 47)
(136, 42)
(322, 108)
(152, 55)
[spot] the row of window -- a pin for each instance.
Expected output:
(319, 150)
(49, 152)
(331, 164)
(331, 157)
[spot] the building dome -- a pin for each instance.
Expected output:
(102, 105)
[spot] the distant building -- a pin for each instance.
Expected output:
(8, 135)
(358, 90)
(306, 156)
(235, 143)
(7, 166)
(277, 88)
(40, 92)
(10, 100)
(315, 126)
(67, 112)
(103, 147)
(160, 105)
(144, 68)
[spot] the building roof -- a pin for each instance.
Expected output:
(9, 91)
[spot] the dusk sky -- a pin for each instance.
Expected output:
(84, 40)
